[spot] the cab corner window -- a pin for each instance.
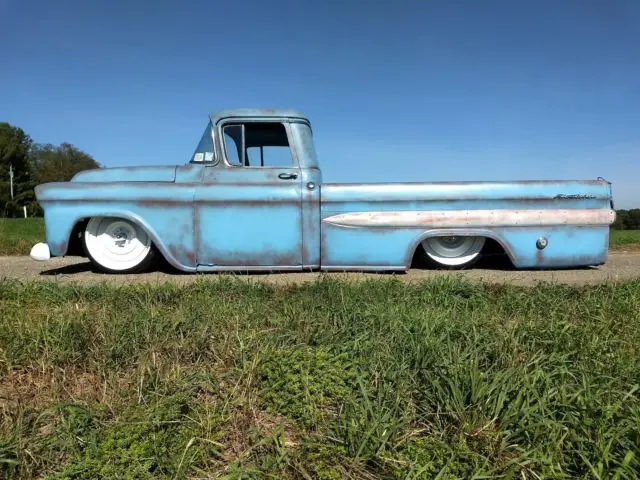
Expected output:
(204, 150)
(257, 145)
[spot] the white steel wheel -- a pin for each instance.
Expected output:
(116, 245)
(453, 251)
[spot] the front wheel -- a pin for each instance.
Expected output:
(452, 251)
(115, 245)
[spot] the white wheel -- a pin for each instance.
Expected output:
(453, 251)
(117, 245)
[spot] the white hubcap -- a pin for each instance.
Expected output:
(115, 243)
(453, 250)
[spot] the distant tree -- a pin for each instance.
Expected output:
(632, 220)
(15, 146)
(50, 163)
(627, 219)
(621, 216)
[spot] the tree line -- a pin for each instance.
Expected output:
(32, 164)
(627, 219)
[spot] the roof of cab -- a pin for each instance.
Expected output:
(256, 113)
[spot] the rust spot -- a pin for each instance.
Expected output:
(250, 203)
(258, 259)
(196, 232)
(60, 248)
(190, 256)
(182, 255)
(161, 203)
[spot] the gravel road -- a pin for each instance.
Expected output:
(621, 266)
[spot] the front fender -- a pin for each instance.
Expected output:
(171, 231)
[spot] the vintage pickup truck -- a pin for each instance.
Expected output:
(251, 197)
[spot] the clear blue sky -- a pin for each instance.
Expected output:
(445, 90)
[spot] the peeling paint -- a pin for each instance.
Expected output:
(473, 218)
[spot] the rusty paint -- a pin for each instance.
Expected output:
(182, 254)
(225, 216)
(196, 233)
(260, 259)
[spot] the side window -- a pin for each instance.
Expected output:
(258, 145)
(233, 144)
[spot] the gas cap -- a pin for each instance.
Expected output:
(541, 243)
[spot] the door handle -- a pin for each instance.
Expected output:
(288, 176)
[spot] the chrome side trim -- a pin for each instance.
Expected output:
(473, 218)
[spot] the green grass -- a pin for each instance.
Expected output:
(624, 238)
(18, 235)
(380, 379)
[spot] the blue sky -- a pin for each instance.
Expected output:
(420, 91)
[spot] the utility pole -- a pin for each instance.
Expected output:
(11, 179)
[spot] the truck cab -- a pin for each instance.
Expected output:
(258, 203)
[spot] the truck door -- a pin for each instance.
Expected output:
(302, 142)
(249, 209)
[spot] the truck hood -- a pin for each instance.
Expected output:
(127, 174)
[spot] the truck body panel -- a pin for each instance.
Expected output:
(212, 215)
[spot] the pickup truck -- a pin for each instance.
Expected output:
(251, 197)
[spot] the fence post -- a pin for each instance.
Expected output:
(24, 209)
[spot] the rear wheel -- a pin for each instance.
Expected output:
(452, 251)
(115, 245)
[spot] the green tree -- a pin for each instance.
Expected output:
(50, 163)
(15, 146)
(632, 220)
(621, 216)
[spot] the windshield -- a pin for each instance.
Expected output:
(204, 150)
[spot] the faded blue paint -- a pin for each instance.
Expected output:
(170, 228)
(212, 216)
(127, 174)
(311, 181)
(248, 216)
(568, 246)
(456, 191)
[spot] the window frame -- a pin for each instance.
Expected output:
(242, 122)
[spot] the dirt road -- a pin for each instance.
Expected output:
(621, 266)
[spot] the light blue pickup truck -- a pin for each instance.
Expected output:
(251, 197)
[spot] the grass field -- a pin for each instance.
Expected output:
(18, 235)
(625, 239)
(329, 380)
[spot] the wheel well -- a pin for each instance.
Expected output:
(76, 246)
(76, 243)
(491, 247)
